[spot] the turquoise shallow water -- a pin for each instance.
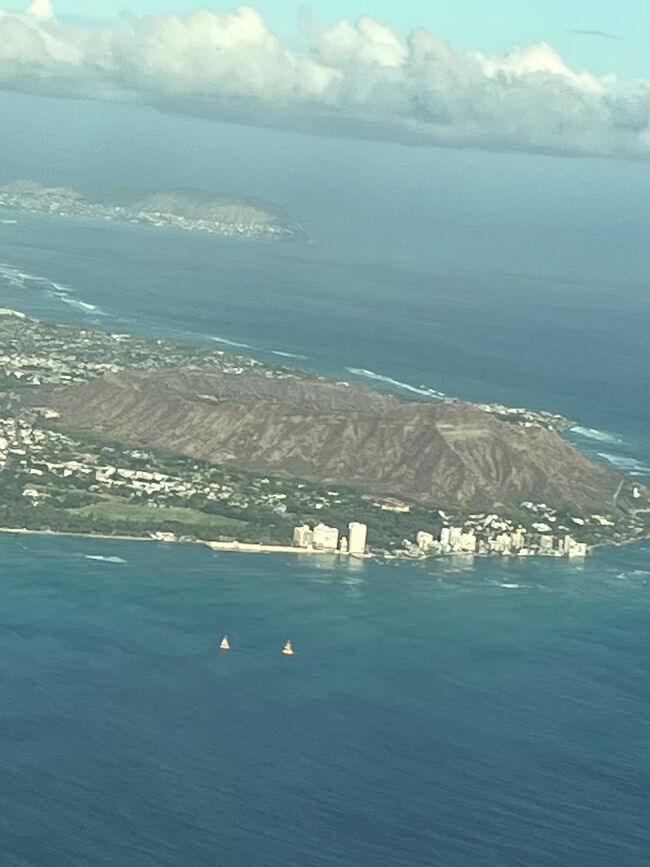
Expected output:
(430, 716)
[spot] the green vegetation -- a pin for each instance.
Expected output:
(176, 519)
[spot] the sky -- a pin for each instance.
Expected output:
(567, 79)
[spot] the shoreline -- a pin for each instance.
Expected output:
(23, 531)
(241, 547)
(260, 548)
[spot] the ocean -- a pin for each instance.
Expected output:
(447, 714)
(459, 713)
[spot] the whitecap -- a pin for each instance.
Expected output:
(231, 342)
(21, 279)
(629, 465)
(379, 377)
(84, 306)
(13, 276)
(287, 354)
(104, 559)
(508, 586)
(593, 434)
(634, 574)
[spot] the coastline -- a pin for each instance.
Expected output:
(241, 547)
(62, 357)
(255, 548)
(23, 531)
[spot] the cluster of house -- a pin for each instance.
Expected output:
(42, 455)
(17, 437)
(229, 218)
(152, 483)
(32, 354)
(458, 540)
(40, 369)
(27, 443)
(324, 538)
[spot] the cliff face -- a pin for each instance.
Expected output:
(447, 454)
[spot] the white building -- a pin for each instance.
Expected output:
(517, 538)
(576, 549)
(303, 536)
(357, 534)
(343, 545)
(546, 543)
(326, 537)
(503, 543)
(444, 537)
(467, 542)
(424, 540)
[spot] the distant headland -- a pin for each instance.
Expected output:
(190, 210)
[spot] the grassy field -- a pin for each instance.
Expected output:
(118, 513)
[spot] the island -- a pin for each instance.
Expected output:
(106, 433)
(190, 210)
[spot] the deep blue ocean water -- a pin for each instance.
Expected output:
(457, 713)
(432, 715)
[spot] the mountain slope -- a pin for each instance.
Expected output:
(446, 454)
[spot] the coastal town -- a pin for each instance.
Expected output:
(53, 479)
(34, 353)
(188, 211)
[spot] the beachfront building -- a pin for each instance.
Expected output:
(467, 542)
(546, 544)
(517, 538)
(455, 534)
(573, 548)
(303, 536)
(325, 538)
(357, 534)
(424, 540)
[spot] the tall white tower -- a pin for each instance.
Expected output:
(357, 534)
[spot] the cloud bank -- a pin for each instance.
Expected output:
(357, 80)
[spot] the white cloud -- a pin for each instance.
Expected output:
(41, 9)
(356, 79)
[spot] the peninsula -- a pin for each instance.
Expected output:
(190, 210)
(113, 434)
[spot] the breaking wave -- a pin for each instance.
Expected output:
(80, 305)
(287, 354)
(592, 434)
(18, 279)
(634, 575)
(628, 465)
(227, 342)
(378, 377)
(104, 559)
